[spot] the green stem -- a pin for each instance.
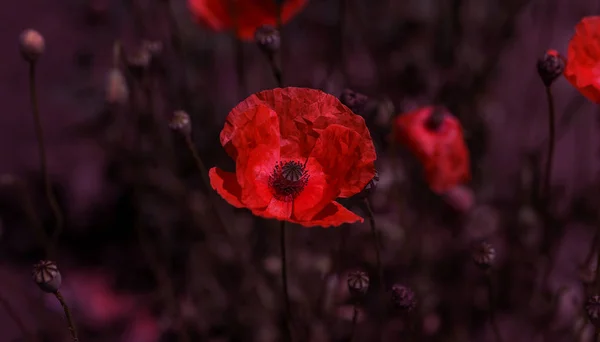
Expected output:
(39, 132)
(284, 280)
(68, 315)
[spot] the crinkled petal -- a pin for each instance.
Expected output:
(320, 190)
(583, 58)
(253, 170)
(334, 214)
(276, 209)
(226, 185)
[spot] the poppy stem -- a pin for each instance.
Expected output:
(354, 320)
(68, 315)
(39, 132)
(375, 236)
(284, 280)
(277, 68)
(546, 191)
(492, 306)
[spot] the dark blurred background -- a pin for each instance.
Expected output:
(142, 257)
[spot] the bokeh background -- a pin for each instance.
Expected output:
(142, 257)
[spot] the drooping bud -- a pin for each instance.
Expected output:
(267, 38)
(550, 67)
(46, 275)
(32, 45)
(180, 122)
(358, 283)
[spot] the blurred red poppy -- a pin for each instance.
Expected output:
(296, 150)
(583, 58)
(220, 15)
(435, 137)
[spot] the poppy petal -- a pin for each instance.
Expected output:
(253, 170)
(226, 185)
(582, 69)
(255, 126)
(276, 209)
(334, 214)
(318, 193)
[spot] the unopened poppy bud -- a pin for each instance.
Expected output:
(484, 255)
(550, 67)
(116, 90)
(46, 275)
(436, 118)
(592, 309)
(180, 122)
(358, 283)
(353, 100)
(403, 298)
(267, 38)
(32, 45)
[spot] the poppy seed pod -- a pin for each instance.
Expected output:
(484, 255)
(267, 38)
(32, 45)
(353, 100)
(550, 67)
(180, 122)
(358, 283)
(46, 275)
(403, 298)
(592, 309)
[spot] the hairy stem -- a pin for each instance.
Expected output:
(376, 244)
(284, 280)
(68, 316)
(39, 132)
(492, 304)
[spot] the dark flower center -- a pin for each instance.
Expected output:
(287, 180)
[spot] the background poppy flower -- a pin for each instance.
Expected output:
(583, 58)
(296, 151)
(220, 15)
(435, 137)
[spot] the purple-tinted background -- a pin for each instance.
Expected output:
(476, 56)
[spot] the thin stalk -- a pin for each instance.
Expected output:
(376, 244)
(284, 280)
(239, 48)
(492, 304)
(68, 316)
(546, 191)
(278, 68)
(39, 132)
(354, 320)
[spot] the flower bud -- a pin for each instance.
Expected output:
(403, 298)
(32, 45)
(46, 275)
(484, 255)
(180, 122)
(267, 38)
(550, 67)
(358, 283)
(353, 100)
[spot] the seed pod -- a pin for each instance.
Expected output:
(358, 283)
(267, 38)
(180, 122)
(550, 67)
(484, 255)
(46, 276)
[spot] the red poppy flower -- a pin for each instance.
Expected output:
(436, 139)
(296, 150)
(583, 58)
(220, 15)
